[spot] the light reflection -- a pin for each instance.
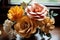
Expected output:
(0, 32)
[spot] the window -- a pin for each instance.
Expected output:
(49, 2)
(44, 2)
(18, 1)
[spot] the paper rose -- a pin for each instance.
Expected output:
(47, 24)
(15, 13)
(25, 27)
(36, 11)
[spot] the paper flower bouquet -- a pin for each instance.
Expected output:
(25, 20)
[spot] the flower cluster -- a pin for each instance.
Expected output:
(36, 17)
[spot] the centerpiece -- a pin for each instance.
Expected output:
(27, 18)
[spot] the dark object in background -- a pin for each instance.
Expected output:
(3, 15)
(57, 18)
(0, 3)
(3, 10)
(4, 3)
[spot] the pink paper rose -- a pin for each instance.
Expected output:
(36, 11)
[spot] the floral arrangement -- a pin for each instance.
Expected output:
(27, 19)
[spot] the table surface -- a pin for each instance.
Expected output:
(55, 35)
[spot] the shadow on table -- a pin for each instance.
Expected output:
(31, 38)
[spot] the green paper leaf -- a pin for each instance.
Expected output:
(52, 12)
(48, 35)
(55, 14)
(41, 33)
(24, 5)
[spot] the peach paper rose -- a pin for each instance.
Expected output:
(25, 27)
(47, 24)
(36, 11)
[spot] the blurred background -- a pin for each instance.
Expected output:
(53, 5)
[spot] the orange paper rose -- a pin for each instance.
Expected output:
(15, 13)
(25, 27)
